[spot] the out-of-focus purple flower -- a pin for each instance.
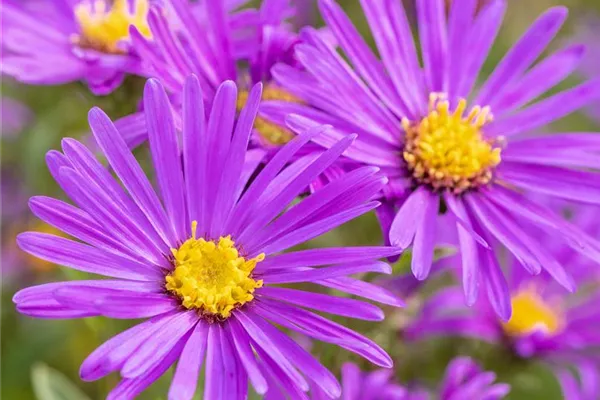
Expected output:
(464, 379)
(470, 160)
(547, 323)
(587, 31)
(200, 258)
(14, 116)
(50, 43)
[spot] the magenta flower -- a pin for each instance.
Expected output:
(446, 147)
(71, 40)
(204, 264)
(464, 379)
(547, 323)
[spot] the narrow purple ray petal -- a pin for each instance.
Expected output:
(185, 379)
(235, 161)
(281, 158)
(249, 322)
(111, 355)
(82, 257)
(362, 57)
(326, 272)
(110, 213)
(130, 173)
(286, 194)
(363, 289)
(77, 223)
(159, 345)
(318, 228)
(393, 35)
(523, 53)
(404, 226)
(214, 385)
(326, 303)
(301, 359)
(130, 388)
(218, 135)
(483, 33)
(166, 156)
(425, 238)
(538, 80)
(326, 256)
(468, 251)
(460, 21)
(546, 111)
(431, 15)
(247, 357)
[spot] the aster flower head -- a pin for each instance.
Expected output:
(49, 43)
(464, 379)
(242, 49)
(547, 323)
(204, 263)
(446, 147)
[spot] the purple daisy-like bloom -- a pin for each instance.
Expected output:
(50, 43)
(547, 323)
(442, 153)
(464, 379)
(71, 40)
(204, 263)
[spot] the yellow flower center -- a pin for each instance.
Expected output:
(103, 27)
(447, 150)
(211, 276)
(531, 313)
(272, 133)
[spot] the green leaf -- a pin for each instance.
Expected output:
(49, 384)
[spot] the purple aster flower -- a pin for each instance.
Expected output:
(464, 379)
(71, 40)
(446, 147)
(547, 323)
(50, 43)
(204, 264)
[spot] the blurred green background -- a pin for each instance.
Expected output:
(40, 358)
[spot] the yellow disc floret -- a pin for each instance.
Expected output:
(211, 276)
(270, 132)
(531, 313)
(103, 27)
(447, 150)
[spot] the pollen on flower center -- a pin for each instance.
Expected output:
(447, 150)
(211, 276)
(531, 313)
(103, 27)
(270, 132)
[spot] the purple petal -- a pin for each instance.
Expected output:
(425, 238)
(405, 223)
(166, 156)
(326, 303)
(185, 379)
(82, 257)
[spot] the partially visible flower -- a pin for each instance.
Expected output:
(587, 29)
(448, 148)
(547, 324)
(203, 257)
(50, 43)
(14, 116)
(464, 379)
